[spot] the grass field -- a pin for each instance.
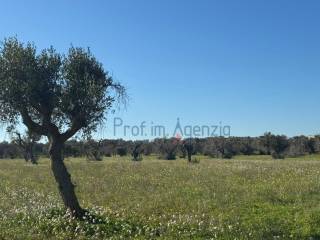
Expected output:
(243, 198)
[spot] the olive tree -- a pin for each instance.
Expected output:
(279, 144)
(92, 150)
(266, 142)
(56, 96)
(188, 147)
(26, 144)
(137, 150)
(167, 148)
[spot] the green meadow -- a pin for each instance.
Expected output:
(251, 197)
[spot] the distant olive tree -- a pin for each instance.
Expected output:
(278, 144)
(220, 147)
(246, 145)
(56, 96)
(314, 144)
(299, 146)
(168, 148)
(26, 144)
(266, 141)
(93, 150)
(188, 146)
(137, 150)
(122, 151)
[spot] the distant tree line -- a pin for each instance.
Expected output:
(278, 146)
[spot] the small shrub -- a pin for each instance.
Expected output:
(195, 160)
(227, 155)
(121, 151)
(278, 155)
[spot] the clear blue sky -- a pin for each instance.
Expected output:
(253, 65)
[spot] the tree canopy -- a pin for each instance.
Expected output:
(54, 94)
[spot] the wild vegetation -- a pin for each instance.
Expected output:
(278, 146)
(248, 197)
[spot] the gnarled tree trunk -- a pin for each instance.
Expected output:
(63, 180)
